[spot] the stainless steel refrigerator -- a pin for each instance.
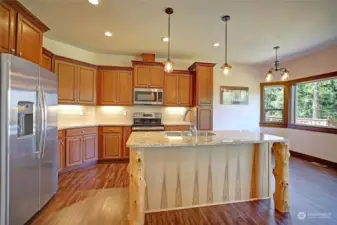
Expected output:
(28, 139)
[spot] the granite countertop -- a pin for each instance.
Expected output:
(80, 125)
(159, 139)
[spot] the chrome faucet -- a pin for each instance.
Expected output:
(193, 127)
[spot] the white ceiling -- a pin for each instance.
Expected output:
(298, 26)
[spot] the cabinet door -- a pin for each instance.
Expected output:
(205, 85)
(157, 77)
(185, 90)
(61, 154)
(46, 62)
(73, 151)
(109, 83)
(67, 81)
(29, 40)
(89, 147)
(171, 91)
(86, 85)
(205, 118)
(125, 89)
(126, 134)
(142, 76)
(112, 145)
(7, 29)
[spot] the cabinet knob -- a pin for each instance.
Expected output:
(20, 53)
(82, 131)
(12, 50)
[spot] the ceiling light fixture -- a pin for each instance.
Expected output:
(108, 33)
(276, 67)
(165, 39)
(216, 44)
(168, 64)
(226, 67)
(94, 2)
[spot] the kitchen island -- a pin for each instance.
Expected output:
(176, 170)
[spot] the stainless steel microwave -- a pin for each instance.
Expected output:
(148, 96)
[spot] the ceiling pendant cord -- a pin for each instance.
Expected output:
(226, 44)
(169, 37)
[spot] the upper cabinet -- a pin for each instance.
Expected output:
(148, 75)
(47, 60)
(77, 83)
(178, 89)
(7, 29)
(20, 32)
(115, 86)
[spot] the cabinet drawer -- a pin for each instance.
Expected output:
(81, 131)
(112, 129)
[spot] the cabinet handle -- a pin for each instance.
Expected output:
(13, 50)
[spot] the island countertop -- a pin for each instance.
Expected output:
(159, 139)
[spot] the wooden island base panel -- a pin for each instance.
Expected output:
(178, 177)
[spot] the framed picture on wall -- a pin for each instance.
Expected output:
(231, 95)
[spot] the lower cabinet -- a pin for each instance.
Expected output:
(81, 146)
(205, 118)
(61, 150)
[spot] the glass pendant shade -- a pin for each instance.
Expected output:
(225, 69)
(269, 76)
(285, 76)
(168, 67)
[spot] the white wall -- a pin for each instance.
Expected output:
(321, 145)
(232, 117)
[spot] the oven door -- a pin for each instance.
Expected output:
(148, 96)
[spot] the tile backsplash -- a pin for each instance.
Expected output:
(76, 114)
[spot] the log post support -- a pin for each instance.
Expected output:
(281, 174)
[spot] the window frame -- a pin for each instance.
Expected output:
(290, 104)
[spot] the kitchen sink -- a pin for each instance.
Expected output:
(187, 133)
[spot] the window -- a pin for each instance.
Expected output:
(273, 104)
(316, 103)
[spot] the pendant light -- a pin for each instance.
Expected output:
(276, 67)
(226, 67)
(168, 64)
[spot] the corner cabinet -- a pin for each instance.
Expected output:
(149, 76)
(115, 87)
(77, 83)
(178, 90)
(21, 33)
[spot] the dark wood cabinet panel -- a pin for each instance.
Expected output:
(125, 90)
(46, 62)
(108, 83)
(171, 90)
(112, 145)
(142, 76)
(61, 154)
(185, 90)
(7, 29)
(126, 134)
(156, 77)
(67, 77)
(204, 84)
(73, 151)
(86, 85)
(29, 40)
(90, 148)
(178, 90)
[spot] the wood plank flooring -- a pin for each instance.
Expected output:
(98, 195)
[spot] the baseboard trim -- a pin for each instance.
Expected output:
(314, 159)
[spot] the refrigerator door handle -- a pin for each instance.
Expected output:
(40, 97)
(45, 121)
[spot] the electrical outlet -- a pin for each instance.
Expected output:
(125, 113)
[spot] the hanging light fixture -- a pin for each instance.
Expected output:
(226, 67)
(168, 64)
(285, 72)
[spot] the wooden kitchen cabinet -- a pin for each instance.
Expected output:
(177, 128)
(7, 29)
(178, 90)
(29, 40)
(115, 87)
(61, 151)
(81, 146)
(126, 134)
(77, 83)
(205, 118)
(204, 82)
(73, 151)
(112, 145)
(47, 60)
(149, 76)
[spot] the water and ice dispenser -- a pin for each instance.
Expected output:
(25, 118)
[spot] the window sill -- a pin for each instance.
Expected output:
(328, 130)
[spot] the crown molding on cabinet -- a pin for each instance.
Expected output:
(134, 63)
(200, 64)
(119, 68)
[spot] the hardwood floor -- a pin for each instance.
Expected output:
(98, 195)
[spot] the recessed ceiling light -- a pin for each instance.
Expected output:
(165, 39)
(108, 33)
(216, 44)
(94, 2)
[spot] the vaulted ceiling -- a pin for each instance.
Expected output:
(298, 26)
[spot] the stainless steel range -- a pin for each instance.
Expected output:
(147, 122)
